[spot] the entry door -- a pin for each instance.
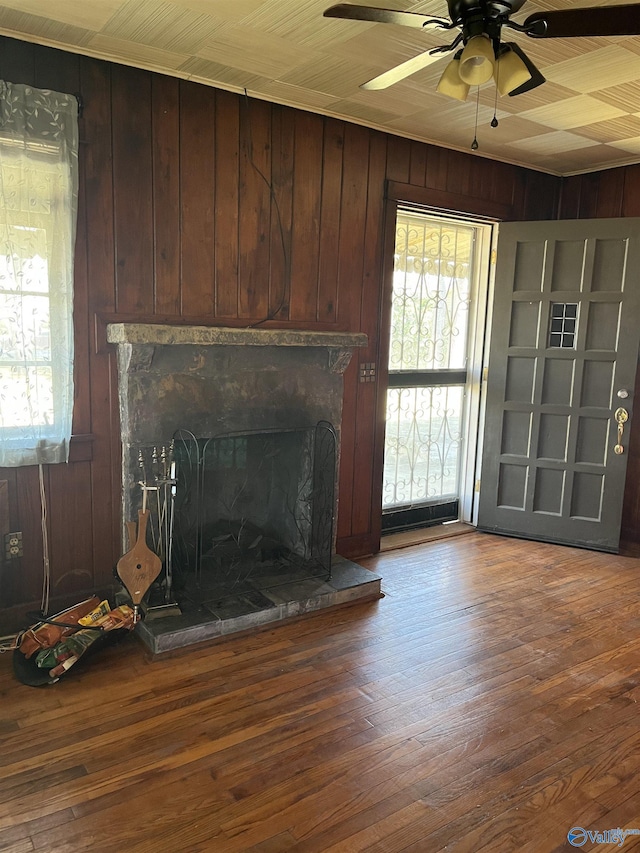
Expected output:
(563, 359)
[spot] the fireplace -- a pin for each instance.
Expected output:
(252, 418)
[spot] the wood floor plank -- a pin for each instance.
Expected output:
(487, 703)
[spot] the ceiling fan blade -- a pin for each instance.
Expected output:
(385, 16)
(596, 21)
(405, 69)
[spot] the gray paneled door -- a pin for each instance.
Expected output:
(563, 357)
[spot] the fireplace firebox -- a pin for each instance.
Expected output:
(253, 510)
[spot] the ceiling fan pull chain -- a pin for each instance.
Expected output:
(474, 144)
(494, 120)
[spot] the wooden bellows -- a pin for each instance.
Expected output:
(139, 567)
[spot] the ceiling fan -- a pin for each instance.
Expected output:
(481, 53)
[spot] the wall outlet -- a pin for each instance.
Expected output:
(13, 545)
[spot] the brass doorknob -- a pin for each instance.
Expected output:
(621, 416)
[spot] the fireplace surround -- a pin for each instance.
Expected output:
(211, 382)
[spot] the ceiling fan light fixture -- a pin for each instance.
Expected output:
(510, 72)
(535, 77)
(451, 84)
(477, 61)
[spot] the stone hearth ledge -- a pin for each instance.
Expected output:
(154, 334)
(349, 584)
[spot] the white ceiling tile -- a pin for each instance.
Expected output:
(572, 112)
(597, 69)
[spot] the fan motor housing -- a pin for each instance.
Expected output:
(463, 12)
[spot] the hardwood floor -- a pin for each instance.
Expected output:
(487, 703)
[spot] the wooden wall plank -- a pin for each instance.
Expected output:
(29, 583)
(589, 192)
(437, 168)
(519, 196)
(96, 179)
(418, 164)
(133, 184)
(570, 198)
(96, 176)
(370, 310)
(282, 160)
(5, 520)
(352, 224)
(610, 193)
(329, 248)
(539, 196)
(56, 70)
(82, 315)
(353, 214)
(17, 61)
(227, 179)
(255, 210)
(502, 183)
(197, 196)
(72, 553)
(307, 196)
(631, 198)
(11, 572)
(459, 171)
(486, 179)
(398, 159)
(165, 120)
(476, 181)
(6, 566)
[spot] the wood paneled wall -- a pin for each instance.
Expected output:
(202, 206)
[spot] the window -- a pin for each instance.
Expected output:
(439, 265)
(562, 332)
(38, 199)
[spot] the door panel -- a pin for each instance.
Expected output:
(565, 340)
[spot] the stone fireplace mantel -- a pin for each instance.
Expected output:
(165, 335)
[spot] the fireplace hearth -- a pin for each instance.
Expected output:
(253, 417)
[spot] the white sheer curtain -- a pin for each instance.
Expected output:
(38, 206)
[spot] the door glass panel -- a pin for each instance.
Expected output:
(563, 324)
(423, 444)
(431, 292)
(433, 281)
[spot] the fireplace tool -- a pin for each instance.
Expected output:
(139, 567)
(160, 492)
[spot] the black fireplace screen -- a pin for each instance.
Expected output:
(254, 509)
